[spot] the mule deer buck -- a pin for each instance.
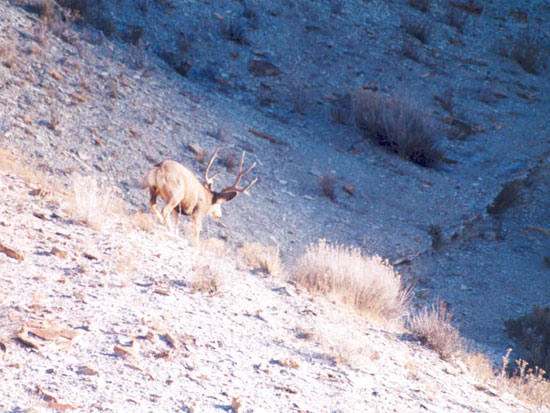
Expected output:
(183, 193)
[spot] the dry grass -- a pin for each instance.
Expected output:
(524, 383)
(91, 202)
(215, 246)
(17, 165)
(367, 284)
(206, 280)
(143, 220)
(433, 328)
(327, 183)
(261, 258)
(398, 125)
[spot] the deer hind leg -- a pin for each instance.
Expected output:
(175, 216)
(167, 210)
(197, 226)
(153, 203)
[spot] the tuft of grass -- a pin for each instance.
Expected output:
(469, 6)
(340, 109)
(229, 160)
(415, 28)
(399, 126)
(327, 183)
(508, 196)
(457, 19)
(410, 50)
(144, 221)
(422, 5)
(261, 258)
(92, 202)
(337, 6)
(234, 31)
(55, 119)
(532, 331)
(437, 237)
(206, 281)
(433, 328)
(367, 284)
(300, 97)
(529, 50)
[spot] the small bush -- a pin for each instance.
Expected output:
(398, 126)
(77, 6)
(337, 6)
(433, 328)
(457, 19)
(415, 28)
(206, 281)
(327, 183)
(530, 52)
(422, 5)
(532, 331)
(367, 284)
(55, 119)
(144, 221)
(340, 109)
(299, 97)
(234, 31)
(410, 50)
(92, 202)
(508, 196)
(261, 258)
(469, 6)
(228, 159)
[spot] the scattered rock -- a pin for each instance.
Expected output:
(11, 252)
(59, 253)
(262, 68)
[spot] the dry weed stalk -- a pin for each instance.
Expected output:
(368, 284)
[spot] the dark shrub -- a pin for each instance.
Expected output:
(532, 331)
(506, 198)
(398, 126)
(422, 5)
(530, 52)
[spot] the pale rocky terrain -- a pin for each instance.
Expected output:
(119, 109)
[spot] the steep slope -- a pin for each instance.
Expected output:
(81, 104)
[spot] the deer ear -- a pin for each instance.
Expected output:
(226, 196)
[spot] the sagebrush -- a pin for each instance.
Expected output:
(433, 328)
(368, 284)
(399, 126)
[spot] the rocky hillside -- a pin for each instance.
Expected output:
(96, 296)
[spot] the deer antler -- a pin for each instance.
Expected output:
(210, 181)
(239, 177)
